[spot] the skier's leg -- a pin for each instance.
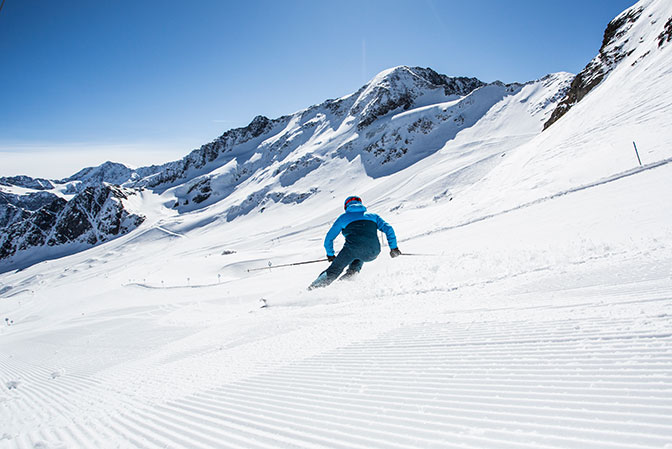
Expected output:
(353, 269)
(356, 266)
(342, 260)
(364, 253)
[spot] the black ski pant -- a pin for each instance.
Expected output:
(352, 257)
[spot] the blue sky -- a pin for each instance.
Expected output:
(144, 82)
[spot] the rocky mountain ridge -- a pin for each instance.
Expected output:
(14, 207)
(26, 182)
(392, 122)
(95, 215)
(623, 37)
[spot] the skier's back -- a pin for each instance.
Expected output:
(360, 230)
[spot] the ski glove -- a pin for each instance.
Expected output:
(331, 258)
(395, 252)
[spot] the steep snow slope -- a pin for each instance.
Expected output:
(593, 142)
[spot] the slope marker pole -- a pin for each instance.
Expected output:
(637, 153)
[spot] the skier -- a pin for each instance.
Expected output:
(361, 242)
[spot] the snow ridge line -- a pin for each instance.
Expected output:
(600, 182)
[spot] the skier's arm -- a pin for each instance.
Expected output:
(336, 229)
(389, 232)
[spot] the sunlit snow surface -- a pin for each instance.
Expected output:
(548, 326)
(538, 313)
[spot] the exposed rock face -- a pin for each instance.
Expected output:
(402, 87)
(168, 174)
(666, 35)
(27, 182)
(33, 231)
(15, 208)
(611, 53)
(263, 198)
(460, 85)
(201, 190)
(386, 145)
(290, 172)
(95, 215)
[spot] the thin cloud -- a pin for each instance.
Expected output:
(56, 161)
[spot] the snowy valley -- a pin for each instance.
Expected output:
(533, 307)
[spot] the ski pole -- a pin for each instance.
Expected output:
(270, 265)
(420, 254)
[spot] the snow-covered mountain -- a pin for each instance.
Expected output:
(532, 308)
(59, 227)
(401, 116)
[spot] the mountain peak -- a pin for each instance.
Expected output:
(110, 172)
(427, 78)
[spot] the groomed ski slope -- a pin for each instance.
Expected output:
(505, 338)
(538, 316)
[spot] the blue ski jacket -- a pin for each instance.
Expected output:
(359, 229)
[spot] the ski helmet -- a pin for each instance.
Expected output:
(351, 199)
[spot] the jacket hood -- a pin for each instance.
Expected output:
(355, 207)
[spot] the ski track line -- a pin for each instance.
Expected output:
(59, 402)
(396, 421)
(609, 399)
(264, 426)
(392, 435)
(379, 434)
(565, 306)
(207, 435)
(136, 439)
(468, 405)
(594, 382)
(535, 385)
(607, 180)
(156, 431)
(646, 400)
(653, 417)
(344, 431)
(465, 406)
